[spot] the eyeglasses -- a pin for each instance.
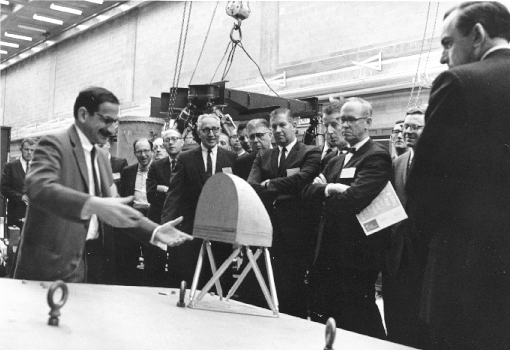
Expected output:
(242, 138)
(215, 130)
(157, 146)
(173, 139)
(233, 137)
(396, 132)
(350, 120)
(413, 127)
(146, 151)
(258, 135)
(108, 121)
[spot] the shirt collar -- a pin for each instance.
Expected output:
(143, 170)
(361, 143)
(491, 50)
(288, 147)
(214, 150)
(85, 143)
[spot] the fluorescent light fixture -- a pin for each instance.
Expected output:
(4, 2)
(36, 49)
(82, 26)
(48, 19)
(33, 28)
(102, 17)
(4, 43)
(23, 55)
(3, 52)
(65, 9)
(95, 1)
(17, 36)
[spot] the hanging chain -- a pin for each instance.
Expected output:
(205, 40)
(179, 59)
(419, 59)
(428, 54)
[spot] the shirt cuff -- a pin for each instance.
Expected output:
(86, 210)
(153, 240)
(326, 192)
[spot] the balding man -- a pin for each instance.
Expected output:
(460, 187)
(348, 262)
(158, 180)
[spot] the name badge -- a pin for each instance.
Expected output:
(227, 170)
(292, 171)
(348, 173)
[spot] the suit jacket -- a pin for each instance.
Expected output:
(128, 180)
(53, 238)
(459, 191)
(293, 219)
(159, 174)
(13, 178)
(117, 165)
(344, 243)
(328, 157)
(243, 164)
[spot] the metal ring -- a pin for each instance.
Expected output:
(236, 27)
(65, 292)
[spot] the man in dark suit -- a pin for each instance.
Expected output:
(158, 180)
(69, 187)
(193, 169)
(397, 139)
(348, 261)
(333, 131)
(133, 181)
(460, 189)
(117, 163)
(13, 178)
(279, 175)
(259, 134)
(406, 255)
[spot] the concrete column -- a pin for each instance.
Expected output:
(269, 38)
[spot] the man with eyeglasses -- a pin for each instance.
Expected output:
(193, 169)
(279, 175)
(159, 149)
(406, 254)
(133, 183)
(459, 187)
(71, 195)
(157, 267)
(260, 139)
(397, 139)
(348, 262)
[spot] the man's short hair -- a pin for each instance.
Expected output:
(255, 123)
(282, 110)
(334, 107)
(91, 98)
(141, 139)
(28, 140)
(242, 126)
(366, 107)
(166, 132)
(493, 16)
(417, 110)
(400, 121)
(203, 116)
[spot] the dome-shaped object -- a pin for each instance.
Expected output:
(229, 210)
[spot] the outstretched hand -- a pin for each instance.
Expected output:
(115, 211)
(169, 235)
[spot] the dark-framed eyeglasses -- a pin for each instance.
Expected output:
(214, 129)
(350, 120)
(107, 120)
(172, 139)
(258, 135)
(413, 127)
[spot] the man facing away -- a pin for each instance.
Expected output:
(69, 191)
(460, 189)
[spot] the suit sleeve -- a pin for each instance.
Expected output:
(174, 195)
(7, 190)
(42, 182)
(124, 179)
(152, 184)
(255, 177)
(294, 184)
(370, 180)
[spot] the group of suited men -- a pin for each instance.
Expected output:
(446, 269)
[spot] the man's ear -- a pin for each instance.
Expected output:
(479, 36)
(82, 114)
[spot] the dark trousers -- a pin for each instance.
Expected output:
(347, 295)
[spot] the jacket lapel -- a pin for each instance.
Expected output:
(167, 172)
(105, 178)
(20, 166)
(359, 153)
(79, 154)
(274, 161)
(220, 160)
(200, 163)
(292, 154)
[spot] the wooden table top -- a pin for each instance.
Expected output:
(119, 317)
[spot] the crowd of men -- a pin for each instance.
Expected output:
(445, 269)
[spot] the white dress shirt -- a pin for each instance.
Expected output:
(214, 154)
(288, 148)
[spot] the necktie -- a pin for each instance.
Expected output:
(28, 167)
(351, 150)
(172, 165)
(328, 151)
(281, 167)
(97, 188)
(209, 164)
